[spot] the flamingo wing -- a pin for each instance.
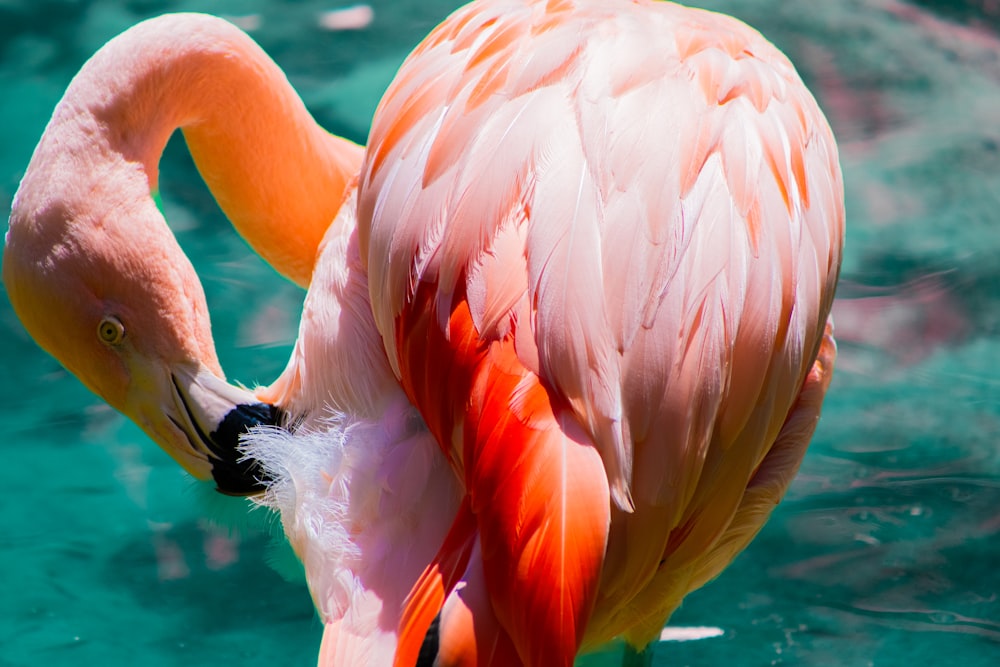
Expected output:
(602, 241)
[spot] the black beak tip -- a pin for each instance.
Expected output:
(234, 474)
(236, 482)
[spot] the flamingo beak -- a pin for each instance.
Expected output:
(213, 415)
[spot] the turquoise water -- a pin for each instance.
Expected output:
(886, 550)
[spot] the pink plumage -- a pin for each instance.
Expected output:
(642, 203)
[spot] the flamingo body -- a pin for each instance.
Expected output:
(602, 241)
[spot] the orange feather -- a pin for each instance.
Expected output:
(436, 582)
(535, 484)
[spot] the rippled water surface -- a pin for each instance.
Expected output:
(886, 549)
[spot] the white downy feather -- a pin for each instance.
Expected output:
(361, 503)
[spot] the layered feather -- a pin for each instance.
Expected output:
(635, 208)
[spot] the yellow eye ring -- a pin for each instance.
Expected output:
(111, 331)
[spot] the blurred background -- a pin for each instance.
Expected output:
(885, 552)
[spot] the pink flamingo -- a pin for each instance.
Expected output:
(565, 341)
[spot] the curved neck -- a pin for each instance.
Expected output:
(277, 175)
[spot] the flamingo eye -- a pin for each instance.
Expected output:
(111, 331)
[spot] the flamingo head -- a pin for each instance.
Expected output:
(101, 284)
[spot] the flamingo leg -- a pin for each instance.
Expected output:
(633, 657)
